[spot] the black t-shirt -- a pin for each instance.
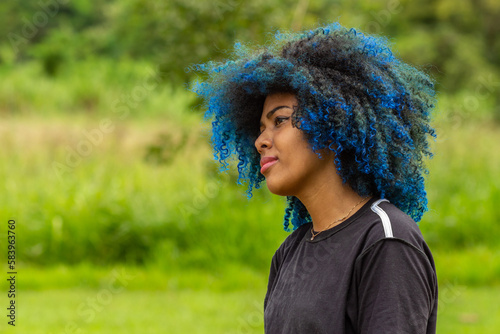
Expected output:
(373, 273)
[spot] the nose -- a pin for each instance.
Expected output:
(263, 141)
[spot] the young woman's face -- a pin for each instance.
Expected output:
(287, 161)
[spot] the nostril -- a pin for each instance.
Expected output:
(262, 142)
(259, 142)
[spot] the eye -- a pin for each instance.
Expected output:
(280, 119)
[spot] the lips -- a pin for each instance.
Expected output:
(267, 162)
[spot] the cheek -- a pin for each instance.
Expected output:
(294, 152)
(292, 139)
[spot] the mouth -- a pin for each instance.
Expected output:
(267, 162)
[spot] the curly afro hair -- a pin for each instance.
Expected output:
(355, 98)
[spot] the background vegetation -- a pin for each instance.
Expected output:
(108, 171)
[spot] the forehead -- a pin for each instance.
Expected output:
(276, 100)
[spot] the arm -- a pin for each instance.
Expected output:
(394, 290)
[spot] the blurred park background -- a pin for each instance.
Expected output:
(124, 224)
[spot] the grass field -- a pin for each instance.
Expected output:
(137, 232)
(475, 310)
(115, 206)
(208, 306)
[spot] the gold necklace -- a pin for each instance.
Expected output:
(336, 221)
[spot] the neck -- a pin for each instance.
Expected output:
(330, 200)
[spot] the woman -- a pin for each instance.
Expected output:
(334, 121)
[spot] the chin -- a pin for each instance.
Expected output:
(279, 189)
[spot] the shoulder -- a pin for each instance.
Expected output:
(391, 236)
(393, 243)
(384, 221)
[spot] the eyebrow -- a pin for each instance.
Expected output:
(271, 113)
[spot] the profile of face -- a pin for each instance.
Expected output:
(287, 161)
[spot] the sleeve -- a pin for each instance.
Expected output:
(275, 263)
(395, 290)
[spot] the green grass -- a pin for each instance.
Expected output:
(148, 202)
(469, 310)
(66, 311)
(98, 87)
(205, 310)
(473, 267)
(477, 266)
(463, 187)
(115, 207)
(121, 299)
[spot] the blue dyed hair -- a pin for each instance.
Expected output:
(354, 97)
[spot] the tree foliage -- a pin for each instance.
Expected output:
(458, 42)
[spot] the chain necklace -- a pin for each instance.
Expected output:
(336, 221)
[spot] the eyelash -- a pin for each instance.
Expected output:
(280, 118)
(277, 122)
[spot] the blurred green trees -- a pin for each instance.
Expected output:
(458, 41)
